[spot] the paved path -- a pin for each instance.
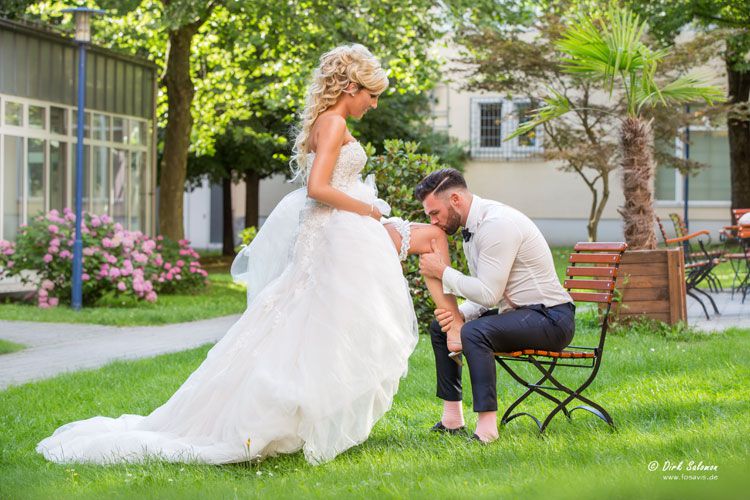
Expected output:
(55, 348)
(733, 313)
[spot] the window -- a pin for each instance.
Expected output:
(119, 186)
(35, 178)
(12, 185)
(37, 117)
(100, 193)
(14, 113)
(58, 175)
(490, 122)
(101, 127)
(58, 120)
(711, 184)
(493, 119)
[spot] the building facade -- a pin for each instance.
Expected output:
(38, 127)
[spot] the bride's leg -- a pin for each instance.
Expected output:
(420, 242)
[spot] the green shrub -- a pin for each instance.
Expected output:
(397, 172)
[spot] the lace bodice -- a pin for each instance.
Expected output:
(351, 161)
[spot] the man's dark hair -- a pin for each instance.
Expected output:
(438, 182)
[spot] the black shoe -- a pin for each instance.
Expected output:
(439, 427)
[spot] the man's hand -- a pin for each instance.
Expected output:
(431, 265)
(445, 318)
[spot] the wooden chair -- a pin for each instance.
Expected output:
(591, 278)
(698, 255)
(742, 258)
(696, 270)
(736, 251)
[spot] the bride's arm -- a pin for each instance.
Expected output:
(330, 137)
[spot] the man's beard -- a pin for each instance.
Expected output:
(453, 223)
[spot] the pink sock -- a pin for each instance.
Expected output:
(487, 426)
(453, 414)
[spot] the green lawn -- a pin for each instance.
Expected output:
(7, 347)
(677, 396)
(219, 298)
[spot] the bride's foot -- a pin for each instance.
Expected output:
(454, 337)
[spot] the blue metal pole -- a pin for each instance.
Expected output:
(686, 186)
(77, 294)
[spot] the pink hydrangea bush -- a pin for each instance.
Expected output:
(116, 262)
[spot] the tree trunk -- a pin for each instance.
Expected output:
(177, 134)
(597, 207)
(636, 139)
(227, 247)
(252, 185)
(738, 129)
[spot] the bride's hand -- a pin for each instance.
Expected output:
(375, 213)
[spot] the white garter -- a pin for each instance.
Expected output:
(404, 229)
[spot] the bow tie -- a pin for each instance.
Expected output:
(466, 234)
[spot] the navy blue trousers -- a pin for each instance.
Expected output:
(528, 327)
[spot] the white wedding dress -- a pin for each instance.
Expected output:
(312, 364)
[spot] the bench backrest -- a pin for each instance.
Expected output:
(592, 274)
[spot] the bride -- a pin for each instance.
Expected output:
(316, 358)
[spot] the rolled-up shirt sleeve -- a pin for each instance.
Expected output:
(497, 243)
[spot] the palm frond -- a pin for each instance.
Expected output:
(687, 88)
(554, 106)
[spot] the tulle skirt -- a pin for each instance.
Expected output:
(312, 364)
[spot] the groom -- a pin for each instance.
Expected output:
(513, 297)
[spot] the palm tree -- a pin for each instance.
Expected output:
(609, 49)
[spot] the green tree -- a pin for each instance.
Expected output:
(609, 50)
(227, 61)
(730, 18)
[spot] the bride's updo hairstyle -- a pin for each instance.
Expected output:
(338, 68)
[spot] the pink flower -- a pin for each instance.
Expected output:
(111, 259)
(42, 293)
(181, 263)
(55, 242)
(9, 251)
(85, 277)
(65, 254)
(95, 221)
(151, 296)
(48, 285)
(106, 219)
(53, 301)
(47, 258)
(103, 273)
(115, 272)
(52, 249)
(54, 212)
(9, 264)
(122, 286)
(53, 228)
(167, 266)
(89, 251)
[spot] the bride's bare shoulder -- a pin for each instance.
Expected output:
(328, 127)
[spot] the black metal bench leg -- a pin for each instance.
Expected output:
(594, 408)
(705, 311)
(507, 417)
(716, 309)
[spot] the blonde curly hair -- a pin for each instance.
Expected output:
(338, 68)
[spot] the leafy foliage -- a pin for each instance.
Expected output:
(397, 171)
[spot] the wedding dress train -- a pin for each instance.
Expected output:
(313, 362)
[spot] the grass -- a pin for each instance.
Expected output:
(219, 298)
(6, 346)
(675, 395)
